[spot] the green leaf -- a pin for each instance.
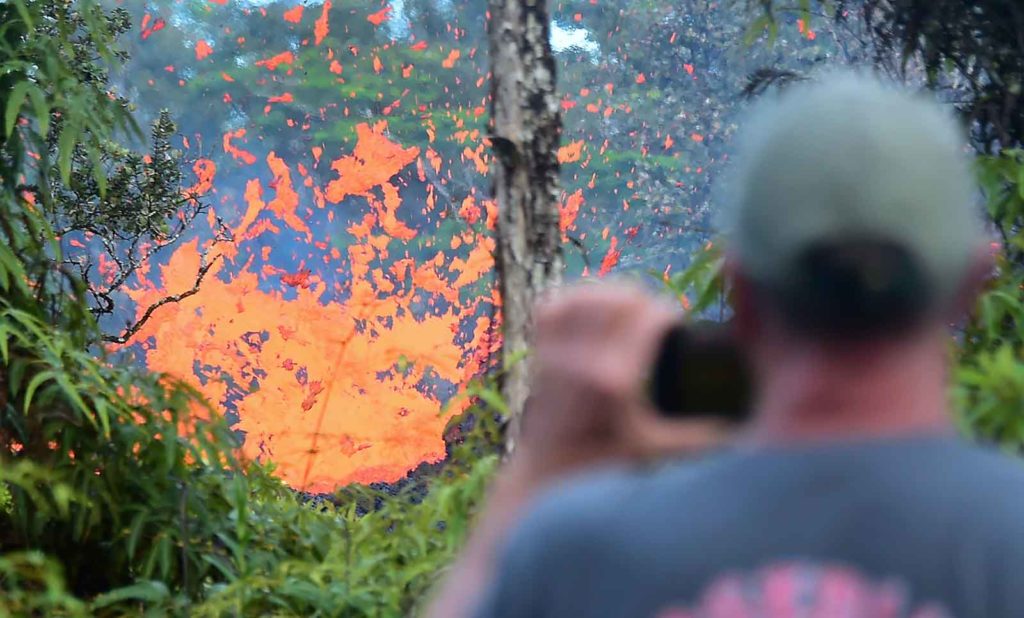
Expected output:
(15, 372)
(493, 399)
(1020, 181)
(5, 277)
(986, 315)
(758, 28)
(164, 548)
(62, 497)
(32, 325)
(24, 13)
(135, 531)
(14, 104)
(221, 565)
(69, 136)
(515, 357)
(711, 293)
(98, 173)
(101, 407)
(149, 566)
(237, 550)
(72, 394)
(33, 385)
(42, 110)
(148, 591)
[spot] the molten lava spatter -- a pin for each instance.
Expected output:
(335, 383)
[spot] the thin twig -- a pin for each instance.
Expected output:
(174, 298)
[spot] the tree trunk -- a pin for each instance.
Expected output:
(527, 124)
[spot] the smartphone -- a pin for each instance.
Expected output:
(700, 372)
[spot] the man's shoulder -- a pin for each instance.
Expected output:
(974, 468)
(1006, 465)
(580, 500)
(602, 502)
(993, 482)
(589, 530)
(598, 504)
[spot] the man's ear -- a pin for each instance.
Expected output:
(979, 274)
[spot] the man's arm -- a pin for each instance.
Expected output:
(593, 347)
(470, 577)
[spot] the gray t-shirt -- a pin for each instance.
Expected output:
(925, 527)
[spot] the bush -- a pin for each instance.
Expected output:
(113, 487)
(990, 369)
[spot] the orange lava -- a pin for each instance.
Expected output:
(332, 387)
(322, 26)
(449, 62)
(380, 16)
(611, 259)
(571, 152)
(275, 61)
(246, 157)
(203, 49)
(294, 15)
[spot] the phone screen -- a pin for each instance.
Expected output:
(700, 372)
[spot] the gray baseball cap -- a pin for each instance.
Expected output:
(850, 157)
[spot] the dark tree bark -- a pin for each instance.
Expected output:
(525, 139)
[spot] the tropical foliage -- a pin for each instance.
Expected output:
(990, 376)
(123, 491)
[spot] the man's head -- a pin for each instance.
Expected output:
(850, 212)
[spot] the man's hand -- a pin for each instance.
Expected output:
(593, 348)
(594, 345)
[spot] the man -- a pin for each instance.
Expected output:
(852, 244)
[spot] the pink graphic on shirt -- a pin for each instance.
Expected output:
(801, 590)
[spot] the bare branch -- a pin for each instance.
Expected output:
(135, 263)
(174, 298)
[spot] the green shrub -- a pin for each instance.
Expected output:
(116, 494)
(106, 491)
(990, 370)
